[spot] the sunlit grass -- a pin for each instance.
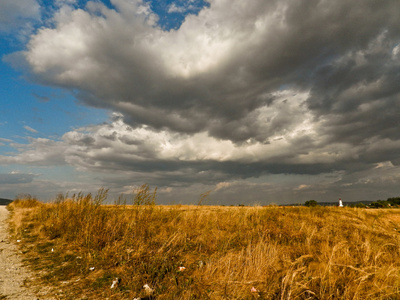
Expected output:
(209, 252)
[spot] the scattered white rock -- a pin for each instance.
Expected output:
(115, 283)
(181, 269)
(148, 289)
(92, 268)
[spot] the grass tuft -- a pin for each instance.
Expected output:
(24, 203)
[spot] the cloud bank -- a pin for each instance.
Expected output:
(239, 92)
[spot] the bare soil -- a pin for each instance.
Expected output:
(14, 277)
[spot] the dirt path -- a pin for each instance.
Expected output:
(13, 275)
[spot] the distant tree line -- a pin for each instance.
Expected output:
(389, 202)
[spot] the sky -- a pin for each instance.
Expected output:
(256, 102)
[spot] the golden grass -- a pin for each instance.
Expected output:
(227, 252)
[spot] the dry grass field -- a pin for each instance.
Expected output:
(80, 247)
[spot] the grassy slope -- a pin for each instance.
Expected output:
(227, 252)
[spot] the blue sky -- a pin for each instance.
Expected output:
(260, 102)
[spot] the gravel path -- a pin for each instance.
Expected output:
(12, 272)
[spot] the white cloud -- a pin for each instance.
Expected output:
(41, 152)
(6, 140)
(186, 7)
(30, 129)
(60, 3)
(173, 8)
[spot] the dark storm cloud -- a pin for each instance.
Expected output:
(145, 154)
(85, 141)
(359, 95)
(254, 50)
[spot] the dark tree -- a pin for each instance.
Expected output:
(311, 203)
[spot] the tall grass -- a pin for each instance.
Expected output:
(226, 252)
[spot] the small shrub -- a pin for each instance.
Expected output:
(311, 203)
(25, 203)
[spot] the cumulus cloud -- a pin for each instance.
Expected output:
(286, 168)
(39, 152)
(224, 65)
